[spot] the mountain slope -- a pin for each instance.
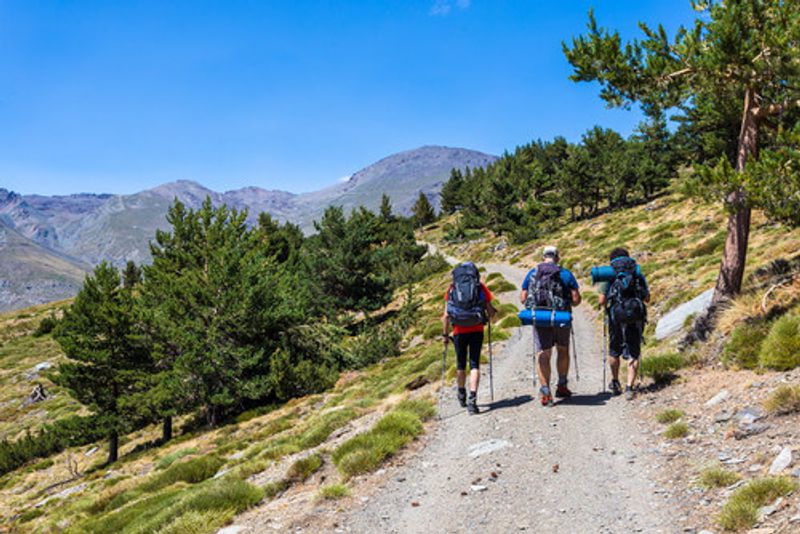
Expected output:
(32, 274)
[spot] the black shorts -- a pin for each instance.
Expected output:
(545, 337)
(624, 338)
(468, 343)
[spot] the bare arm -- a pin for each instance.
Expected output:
(523, 296)
(576, 297)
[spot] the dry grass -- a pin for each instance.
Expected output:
(784, 400)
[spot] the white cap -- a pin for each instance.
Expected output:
(550, 250)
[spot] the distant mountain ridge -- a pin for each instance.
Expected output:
(81, 230)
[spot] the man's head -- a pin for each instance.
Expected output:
(550, 253)
(618, 252)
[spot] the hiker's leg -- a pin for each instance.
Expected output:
(459, 342)
(544, 339)
(562, 349)
(543, 359)
(633, 336)
(613, 362)
(475, 344)
(615, 341)
(633, 369)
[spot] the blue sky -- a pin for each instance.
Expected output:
(121, 96)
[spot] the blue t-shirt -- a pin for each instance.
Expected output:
(566, 277)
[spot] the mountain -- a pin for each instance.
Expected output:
(80, 230)
(33, 274)
(402, 176)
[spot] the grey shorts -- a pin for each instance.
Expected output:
(545, 337)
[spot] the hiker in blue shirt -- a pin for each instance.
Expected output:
(551, 286)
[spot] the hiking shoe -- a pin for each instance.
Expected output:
(616, 388)
(462, 397)
(545, 397)
(628, 393)
(563, 392)
(472, 406)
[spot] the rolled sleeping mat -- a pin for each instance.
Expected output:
(544, 317)
(606, 273)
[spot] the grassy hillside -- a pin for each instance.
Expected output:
(678, 243)
(20, 352)
(308, 452)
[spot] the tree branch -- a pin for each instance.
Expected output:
(777, 109)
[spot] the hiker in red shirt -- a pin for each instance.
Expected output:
(468, 307)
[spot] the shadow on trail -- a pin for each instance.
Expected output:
(598, 399)
(519, 400)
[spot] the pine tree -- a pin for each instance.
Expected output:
(737, 50)
(385, 212)
(132, 275)
(221, 306)
(451, 193)
(107, 360)
(424, 213)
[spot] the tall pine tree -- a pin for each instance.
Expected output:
(742, 51)
(107, 359)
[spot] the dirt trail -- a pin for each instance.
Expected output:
(582, 466)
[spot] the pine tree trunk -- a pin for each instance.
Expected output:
(113, 448)
(166, 429)
(731, 272)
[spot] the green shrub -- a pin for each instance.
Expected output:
(334, 491)
(744, 344)
(741, 510)
(319, 428)
(784, 400)
(192, 471)
(170, 458)
(669, 416)
(366, 451)
(501, 285)
(376, 343)
(662, 366)
(512, 321)
(781, 348)
(304, 468)
(717, 477)
(421, 407)
(274, 488)
(46, 325)
(504, 310)
(676, 430)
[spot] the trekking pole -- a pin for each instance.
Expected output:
(605, 346)
(575, 353)
(491, 378)
(533, 356)
(444, 363)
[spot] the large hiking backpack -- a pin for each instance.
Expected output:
(547, 290)
(465, 301)
(626, 293)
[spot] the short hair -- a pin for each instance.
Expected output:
(618, 252)
(550, 251)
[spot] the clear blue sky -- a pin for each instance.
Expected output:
(291, 94)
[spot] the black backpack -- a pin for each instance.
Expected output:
(626, 293)
(547, 290)
(465, 302)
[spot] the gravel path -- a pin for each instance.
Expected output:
(582, 466)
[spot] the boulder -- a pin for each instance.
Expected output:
(672, 322)
(781, 462)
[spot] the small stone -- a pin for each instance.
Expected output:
(478, 487)
(749, 415)
(555, 468)
(723, 416)
(716, 399)
(755, 468)
(414, 504)
(705, 532)
(781, 462)
(232, 529)
(765, 511)
(91, 451)
(796, 473)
